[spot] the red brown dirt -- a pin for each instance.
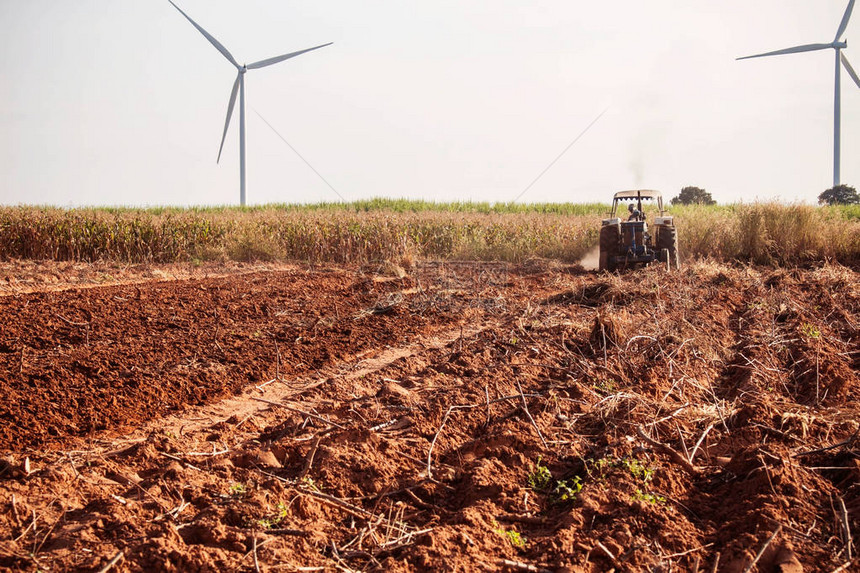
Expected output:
(460, 417)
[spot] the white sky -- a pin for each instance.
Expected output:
(122, 102)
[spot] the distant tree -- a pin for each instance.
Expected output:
(693, 196)
(839, 195)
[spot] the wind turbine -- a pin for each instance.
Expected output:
(239, 86)
(838, 45)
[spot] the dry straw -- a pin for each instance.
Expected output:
(765, 233)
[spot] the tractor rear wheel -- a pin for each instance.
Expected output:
(667, 238)
(610, 235)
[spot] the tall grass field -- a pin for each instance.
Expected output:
(379, 229)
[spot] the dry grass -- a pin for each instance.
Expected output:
(769, 233)
(764, 233)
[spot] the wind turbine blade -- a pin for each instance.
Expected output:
(276, 59)
(845, 18)
(850, 70)
(229, 112)
(226, 53)
(794, 50)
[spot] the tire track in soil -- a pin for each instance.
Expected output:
(82, 361)
(27, 277)
(776, 400)
(256, 399)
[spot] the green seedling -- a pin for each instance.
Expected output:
(540, 479)
(810, 330)
(513, 536)
(602, 464)
(238, 490)
(637, 469)
(267, 523)
(273, 521)
(309, 483)
(566, 490)
(605, 386)
(649, 497)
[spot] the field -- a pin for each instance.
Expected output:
(372, 231)
(428, 413)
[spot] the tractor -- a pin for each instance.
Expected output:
(630, 243)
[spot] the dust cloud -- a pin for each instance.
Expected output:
(591, 260)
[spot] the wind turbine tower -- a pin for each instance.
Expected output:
(239, 87)
(838, 45)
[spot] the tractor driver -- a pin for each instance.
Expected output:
(635, 214)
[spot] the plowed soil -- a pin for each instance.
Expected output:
(448, 417)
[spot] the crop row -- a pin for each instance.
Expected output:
(765, 233)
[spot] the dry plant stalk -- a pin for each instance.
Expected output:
(716, 562)
(110, 564)
(298, 411)
(846, 527)
(520, 566)
(526, 409)
(763, 548)
(673, 455)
